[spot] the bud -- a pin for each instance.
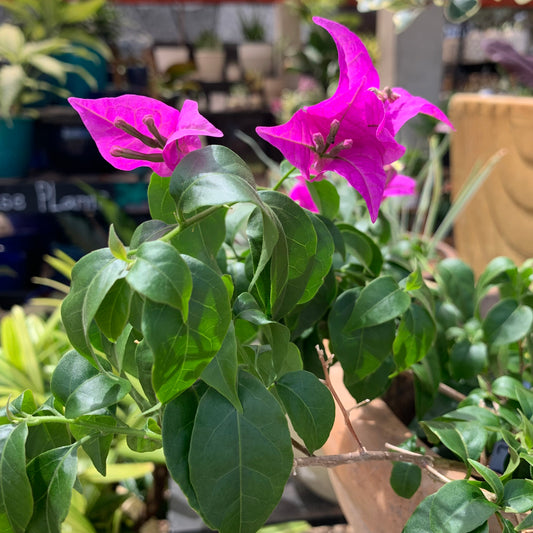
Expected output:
(320, 144)
(121, 124)
(333, 130)
(149, 122)
(118, 151)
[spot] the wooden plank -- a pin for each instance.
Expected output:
(499, 219)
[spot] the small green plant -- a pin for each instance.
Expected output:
(208, 39)
(252, 29)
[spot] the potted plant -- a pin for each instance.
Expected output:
(209, 57)
(89, 27)
(212, 324)
(24, 63)
(254, 54)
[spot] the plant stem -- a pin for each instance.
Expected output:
(122, 430)
(282, 179)
(183, 224)
(329, 385)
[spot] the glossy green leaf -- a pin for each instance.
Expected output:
(363, 248)
(15, 491)
(144, 359)
(498, 270)
(414, 338)
(239, 462)
(468, 360)
(98, 392)
(310, 407)
(144, 443)
(160, 274)
(295, 257)
(71, 371)
(507, 322)
(203, 239)
(52, 476)
(183, 349)
(506, 386)
(221, 372)
(113, 313)
(97, 448)
(150, 230)
(216, 176)
(518, 495)
(325, 196)
(490, 477)
(380, 301)
(405, 479)
(457, 281)
(373, 385)
(177, 427)
(459, 506)
(448, 435)
(72, 308)
(116, 245)
(419, 520)
(46, 436)
(160, 202)
(527, 523)
(360, 351)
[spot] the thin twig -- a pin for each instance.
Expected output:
(329, 385)
(451, 393)
(301, 448)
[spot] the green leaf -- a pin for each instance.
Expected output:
(506, 386)
(373, 385)
(15, 490)
(325, 196)
(150, 230)
(527, 523)
(498, 270)
(468, 360)
(419, 520)
(360, 351)
(518, 495)
(294, 257)
(363, 248)
(448, 434)
(116, 245)
(113, 313)
(98, 392)
(52, 476)
(405, 479)
(177, 427)
(239, 462)
(221, 372)
(310, 407)
(160, 202)
(415, 337)
(216, 176)
(160, 274)
(507, 322)
(144, 360)
(97, 448)
(71, 371)
(73, 307)
(183, 349)
(380, 301)
(203, 239)
(491, 478)
(459, 506)
(457, 280)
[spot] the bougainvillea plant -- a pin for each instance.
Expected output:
(206, 323)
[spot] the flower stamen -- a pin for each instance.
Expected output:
(121, 124)
(320, 143)
(386, 94)
(333, 130)
(337, 149)
(149, 122)
(118, 151)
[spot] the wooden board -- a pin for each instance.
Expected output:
(499, 219)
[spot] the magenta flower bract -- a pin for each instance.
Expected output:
(353, 132)
(133, 131)
(301, 195)
(398, 184)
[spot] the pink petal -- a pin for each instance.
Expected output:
(400, 185)
(301, 195)
(354, 61)
(186, 137)
(408, 106)
(99, 116)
